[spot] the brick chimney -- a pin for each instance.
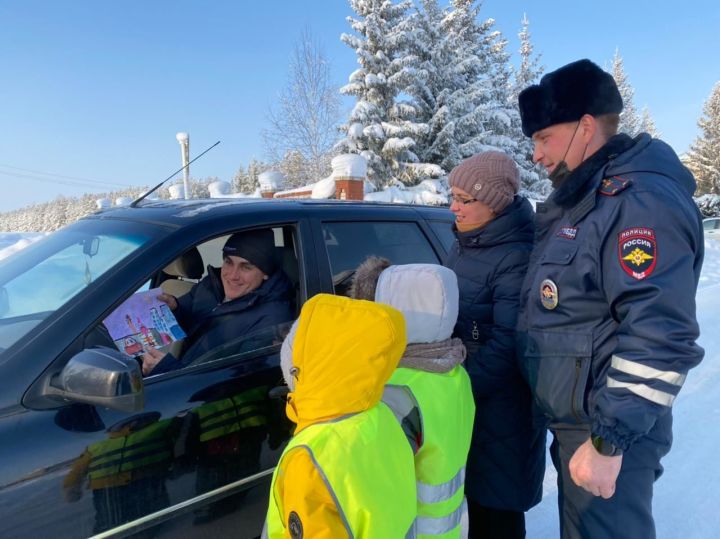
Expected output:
(271, 181)
(349, 171)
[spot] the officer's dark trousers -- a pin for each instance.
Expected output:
(628, 514)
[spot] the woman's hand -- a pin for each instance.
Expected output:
(170, 300)
(150, 358)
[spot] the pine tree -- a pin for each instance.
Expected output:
(629, 120)
(240, 181)
(431, 85)
(533, 178)
(381, 128)
(647, 124)
(703, 159)
(255, 168)
(530, 68)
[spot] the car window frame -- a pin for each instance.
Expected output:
(321, 255)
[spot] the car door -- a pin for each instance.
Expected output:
(196, 460)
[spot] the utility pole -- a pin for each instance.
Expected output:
(184, 140)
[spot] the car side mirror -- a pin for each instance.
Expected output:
(103, 377)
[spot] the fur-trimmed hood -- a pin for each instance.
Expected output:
(427, 296)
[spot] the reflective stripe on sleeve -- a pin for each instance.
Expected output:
(440, 525)
(427, 493)
(653, 395)
(649, 373)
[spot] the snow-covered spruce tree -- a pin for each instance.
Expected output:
(703, 158)
(434, 81)
(241, 182)
(629, 120)
(709, 205)
(496, 112)
(254, 169)
(381, 127)
(530, 70)
(534, 180)
(647, 124)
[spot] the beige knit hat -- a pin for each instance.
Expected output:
(490, 177)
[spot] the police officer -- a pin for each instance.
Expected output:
(607, 329)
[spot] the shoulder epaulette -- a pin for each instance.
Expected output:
(614, 185)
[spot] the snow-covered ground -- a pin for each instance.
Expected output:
(684, 503)
(12, 242)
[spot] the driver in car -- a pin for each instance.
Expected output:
(248, 293)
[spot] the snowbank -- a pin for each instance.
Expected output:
(12, 242)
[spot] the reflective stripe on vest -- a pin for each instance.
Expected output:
(367, 467)
(439, 493)
(447, 410)
(222, 417)
(126, 453)
(447, 526)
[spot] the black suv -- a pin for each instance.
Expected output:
(89, 447)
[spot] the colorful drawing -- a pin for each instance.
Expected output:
(143, 321)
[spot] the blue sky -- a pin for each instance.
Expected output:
(97, 90)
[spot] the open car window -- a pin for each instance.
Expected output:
(209, 333)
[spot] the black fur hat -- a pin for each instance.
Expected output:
(566, 94)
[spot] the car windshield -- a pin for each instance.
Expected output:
(40, 279)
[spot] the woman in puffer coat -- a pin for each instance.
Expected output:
(494, 230)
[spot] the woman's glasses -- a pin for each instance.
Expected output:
(462, 200)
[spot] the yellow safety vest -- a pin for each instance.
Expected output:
(447, 410)
(368, 467)
(232, 414)
(113, 461)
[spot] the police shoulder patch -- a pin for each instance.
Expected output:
(637, 252)
(614, 185)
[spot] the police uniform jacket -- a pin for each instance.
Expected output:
(607, 331)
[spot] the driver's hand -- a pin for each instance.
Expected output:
(170, 300)
(150, 358)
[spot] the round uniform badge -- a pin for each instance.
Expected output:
(549, 294)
